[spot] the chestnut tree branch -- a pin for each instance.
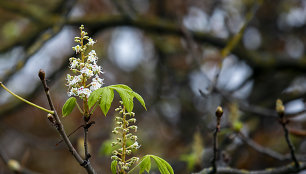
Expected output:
(60, 128)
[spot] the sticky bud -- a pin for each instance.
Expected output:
(219, 112)
(51, 118)
(42, 74)
(280, 108)
(14, 165)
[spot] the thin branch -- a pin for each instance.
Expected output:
(23, 10)
(219, 113)
(267, 151)
(87, 125)
(60, 128)
(290, 168)
(261, 149)
(280, 109)
(24, 100)
(258, 60)
(14, 165)
(290, 145)
(32, 48)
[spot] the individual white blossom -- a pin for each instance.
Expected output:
(75, 80)
(97, 69)
(135, 145)
(91, 42)
(98, 79)
(87, 72)
(77, 49)
(83, 92)
(74, 64)
(91, 59)
(95, 85)
(73, 92)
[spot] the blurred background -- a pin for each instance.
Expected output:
(184, 57)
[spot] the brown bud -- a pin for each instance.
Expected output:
(51, 118)
(219, 112)
(42, 74)
(280, 108)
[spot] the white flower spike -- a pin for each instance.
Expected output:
(86, 78)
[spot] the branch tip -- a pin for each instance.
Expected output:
(280, 108)
(219, 112)
(42, 74)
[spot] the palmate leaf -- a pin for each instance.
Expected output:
(68, 106)
(145, 165)
(104, 96)
(128, 94)
(126, 97)
(163, 166)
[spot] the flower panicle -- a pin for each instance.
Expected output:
(126, 141)
(86, 71)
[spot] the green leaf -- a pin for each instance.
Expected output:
(68, 106)
(107, 96)
(114, 167)
(126, 97)
(140, 99)
(190, 159)
(131, 93)
(145, 164)
(163, 166)
(106, 148)
(122, 86)
(94, 97)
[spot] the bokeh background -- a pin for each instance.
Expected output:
(184, 57)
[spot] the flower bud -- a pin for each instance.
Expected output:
(280, 108)
(51, 118)
(219, 112)
(42, 74)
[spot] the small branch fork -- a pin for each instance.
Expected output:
(60, 128)
(295, 167)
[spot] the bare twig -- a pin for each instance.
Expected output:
(279, 170)
(60, 128)
(281, 112)
(39, 40)
(14, 165)
(261, 149)
(74, 132)
(86, 127)
(219, 113)
(267, 151)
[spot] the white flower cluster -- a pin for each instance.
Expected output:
(125, 123)
(85, 68)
